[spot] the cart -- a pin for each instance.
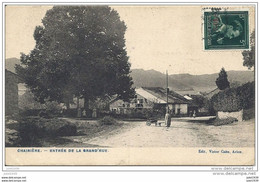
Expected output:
(154, 121)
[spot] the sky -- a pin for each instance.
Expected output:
(157, 37)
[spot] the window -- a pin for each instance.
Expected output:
(139, 105)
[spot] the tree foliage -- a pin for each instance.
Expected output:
(222, 81)
(199, 100)
(249, 55)
(80, 51)
(235, 99)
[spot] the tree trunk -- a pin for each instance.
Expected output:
(86, 103)
(78, 108)
(67, 104)
(86, 106)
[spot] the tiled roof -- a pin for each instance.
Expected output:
(159, 94)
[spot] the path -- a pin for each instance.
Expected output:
(180, 134)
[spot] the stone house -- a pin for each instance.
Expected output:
(148, 97)
(119, 106)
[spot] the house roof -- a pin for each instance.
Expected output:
(158, 95)
(149, 96)
(211, 93)
(15, 74)
(12, 73)
(187, 97)
(113, 98)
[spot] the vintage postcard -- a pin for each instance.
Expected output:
(89, 85)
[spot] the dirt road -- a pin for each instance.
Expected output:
(180, 134)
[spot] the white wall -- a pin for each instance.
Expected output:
(116, 106)
(238, 115)
(183, 108)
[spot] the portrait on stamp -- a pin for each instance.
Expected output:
(226, 30)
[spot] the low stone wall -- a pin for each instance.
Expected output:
(238, 115)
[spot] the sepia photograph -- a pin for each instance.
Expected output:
(123, 81)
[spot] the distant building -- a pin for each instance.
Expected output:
(118, 106)
(11, 93)
(148, 97)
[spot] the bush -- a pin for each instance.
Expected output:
(44, 114)
(247, 95)
(219, 122)
(70, 112)
(53, 108)
(11, 138)
(249, 113)
(235, 99)
(32, 129)
(30, 107)
(30, 112)
(107, 120)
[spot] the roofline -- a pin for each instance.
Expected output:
(182, 99)
(20, 80)
(11, 72)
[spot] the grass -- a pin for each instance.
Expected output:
(43, 132)
(86, 130)
(219, 122)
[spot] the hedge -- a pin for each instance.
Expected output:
(107, 120)
(235, 99)
(219, 122)
(32, 129)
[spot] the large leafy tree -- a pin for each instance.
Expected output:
(222, 81)
(249, 55)
(79, 51)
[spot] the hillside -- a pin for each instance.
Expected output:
(10, 64)
(206, 82)
(152, 78)
(177, 82)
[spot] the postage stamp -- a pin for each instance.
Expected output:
(226, 30)
(116, 85)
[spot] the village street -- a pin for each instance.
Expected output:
(180, 134)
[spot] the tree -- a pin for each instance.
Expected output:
(249, 55)
(199, 100)
(234, 84)
(79, 51)
(222, 81)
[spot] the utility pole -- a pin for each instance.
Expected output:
(167, 114)
(167, 89)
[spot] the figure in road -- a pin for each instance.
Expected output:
(167, 118)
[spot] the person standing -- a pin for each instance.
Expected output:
(167, 119)
(194, 113)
